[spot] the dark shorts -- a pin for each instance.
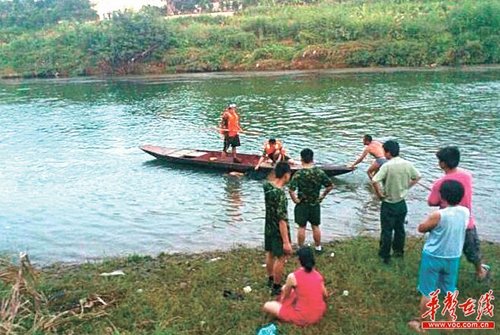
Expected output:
(233, 141)
(307, 213)
(274, 244)
(380, 161)
(471, 246)
(284, 158)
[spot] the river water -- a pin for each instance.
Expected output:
(74, 186)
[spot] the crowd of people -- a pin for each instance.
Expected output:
(451, 229)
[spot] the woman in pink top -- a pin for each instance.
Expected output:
(304, 293)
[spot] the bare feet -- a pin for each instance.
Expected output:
(416, 326)
(485, 272)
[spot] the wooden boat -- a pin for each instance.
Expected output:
(213, 160)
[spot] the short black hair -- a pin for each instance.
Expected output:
(452, 191)
(306, 258)
(392, 147)
(307, 155)
(450, 156)
(368, 137)
(272, 141)
(281, 169)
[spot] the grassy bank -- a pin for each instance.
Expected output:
(328, 34)
(183, 294)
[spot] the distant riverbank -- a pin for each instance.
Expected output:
(268, 73)
(184, 293)
(324, 35)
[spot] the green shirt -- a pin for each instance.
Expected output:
(308, 182)
(276, 208)
(395, 175)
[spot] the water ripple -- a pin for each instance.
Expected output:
(74, 185)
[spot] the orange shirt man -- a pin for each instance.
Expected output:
(230, 127)
(273, 150)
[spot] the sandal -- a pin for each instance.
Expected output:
(231, 295)
(416, 325)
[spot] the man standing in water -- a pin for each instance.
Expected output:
(449, 158)
(308, 181)
(397, 176)
(230, 127)
(277, 230)
(375, 149)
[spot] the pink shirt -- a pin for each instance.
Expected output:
(464, 177)
(305, 304)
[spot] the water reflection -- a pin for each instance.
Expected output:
(233, 198)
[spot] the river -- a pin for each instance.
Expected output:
(75, 187)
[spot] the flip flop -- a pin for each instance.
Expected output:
(231, 295)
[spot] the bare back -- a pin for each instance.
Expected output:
(375, 149)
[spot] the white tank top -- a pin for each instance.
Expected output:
(446, 240)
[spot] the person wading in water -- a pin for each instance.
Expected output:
(375, 149)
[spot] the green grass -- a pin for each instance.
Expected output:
(183, 294)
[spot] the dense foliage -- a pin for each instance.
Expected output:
(275, 36)
(31, 14)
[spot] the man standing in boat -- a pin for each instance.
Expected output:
(375, 149)
(230, 127)
(308, 182)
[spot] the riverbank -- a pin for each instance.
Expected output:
(323, 35)
(252, 74)
(183, 293)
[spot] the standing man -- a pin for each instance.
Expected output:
(308, 181)
(375, 149)
(230, 127)
(277, 231)
(449, 158)
(397, 177)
